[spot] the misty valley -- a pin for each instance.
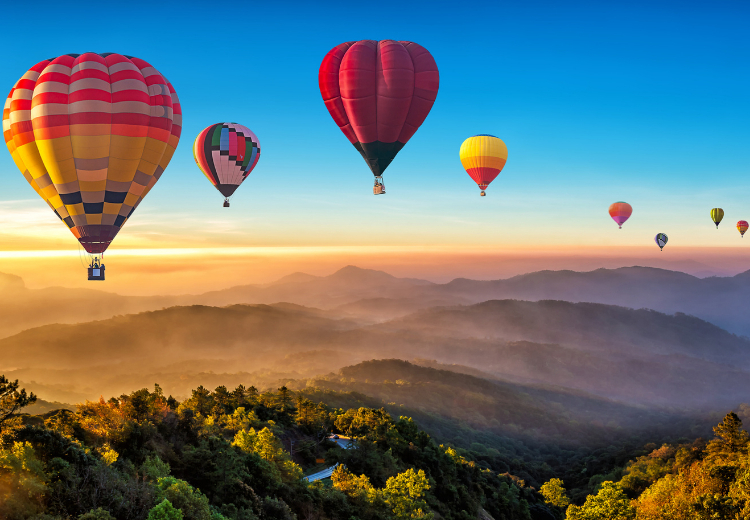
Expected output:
(551, 395)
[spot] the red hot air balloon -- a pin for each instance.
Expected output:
(379, 93)
(620, 212)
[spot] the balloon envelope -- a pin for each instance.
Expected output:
(716, 215)
(483, 156)
(620, 212)
(92, 133)
(379, 93)
(661, 240)
(742, 227)
(226, 153)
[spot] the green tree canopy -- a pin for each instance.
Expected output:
(12, 399)
(554, 493)
(164, 511)
(610, 503)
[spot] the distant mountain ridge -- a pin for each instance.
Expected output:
(589, 326)
(377, 296)
(363, 292)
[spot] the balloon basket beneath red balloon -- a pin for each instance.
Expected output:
(379, 188)
(482, 194)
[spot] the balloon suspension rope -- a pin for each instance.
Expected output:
(80, 256)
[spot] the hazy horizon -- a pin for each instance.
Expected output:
(191, 271)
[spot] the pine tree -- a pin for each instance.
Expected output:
(730, 439)
(12, 399)
(284, 398)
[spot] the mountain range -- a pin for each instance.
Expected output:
(377, 296)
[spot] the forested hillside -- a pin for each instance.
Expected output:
(534, 432)
(226, 454)
(692, 480)
(241, 454)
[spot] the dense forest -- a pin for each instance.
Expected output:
(239, 454)
(692, 481)
(242, 454)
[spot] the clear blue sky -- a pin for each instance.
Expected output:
(639, 101)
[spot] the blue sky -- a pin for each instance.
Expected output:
(639, 101)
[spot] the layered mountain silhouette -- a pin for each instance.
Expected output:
(377, 296)
(633, 356)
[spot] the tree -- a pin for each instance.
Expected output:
(284, 398)
(712, 506)
(192, 504)
(223, 399)
(12, 399)
(201, 401)
(164, 511)
(154, 468)
(269, 448)
(730, 439)
(554, 493)
(23, 482)
(611, 503)
(240, 419)
(239, 396)
(350, 484)
(405, 493)
(97, 514)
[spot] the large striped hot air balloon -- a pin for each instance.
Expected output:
(226, 153)
(92, 133)
(379, 93)
(742, 227)
(620, 212)
(483, 157)
(716, 215)
(661, 240)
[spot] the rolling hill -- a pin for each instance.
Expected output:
(634, 356)
(508, 409)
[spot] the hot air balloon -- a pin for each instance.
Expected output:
(483, 157)
(92, 133)
(742, 227)
(620, 212)
(226, 153)
(379, 93)
(716, 215)
(661, 240)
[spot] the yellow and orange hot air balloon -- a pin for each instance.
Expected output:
(483, 157)
(92, 133)
(742, 227)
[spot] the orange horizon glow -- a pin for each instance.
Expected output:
(195, 270)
